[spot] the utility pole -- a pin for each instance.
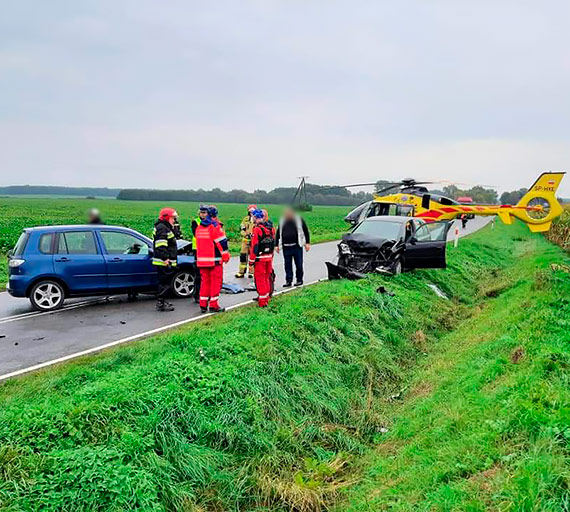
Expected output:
(300, 200)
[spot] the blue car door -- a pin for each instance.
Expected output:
(129, 262)
(79, 262)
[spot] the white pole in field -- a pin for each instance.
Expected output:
(456, 238)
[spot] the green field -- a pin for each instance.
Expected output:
(325, 222)
(335, 397)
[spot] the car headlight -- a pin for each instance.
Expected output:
(344, 248)
(13, 263)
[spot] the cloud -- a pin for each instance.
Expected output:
(252, 94)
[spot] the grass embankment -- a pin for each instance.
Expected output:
(284, 409)
(485, 422)
(325, 222)
(560, 231)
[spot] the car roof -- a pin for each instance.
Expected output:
(396, 219)
(79, 227)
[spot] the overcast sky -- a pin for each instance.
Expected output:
(187, 94)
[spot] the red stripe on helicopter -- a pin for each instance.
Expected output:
(431, 214)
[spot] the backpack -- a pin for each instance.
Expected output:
(266, 244)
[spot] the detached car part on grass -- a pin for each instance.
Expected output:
(390, 245)
(52, 263)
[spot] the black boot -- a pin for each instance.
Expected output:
(217, 310)
(163, 305)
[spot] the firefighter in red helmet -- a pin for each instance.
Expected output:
(262, 247)
(164, 255)
(211, 253)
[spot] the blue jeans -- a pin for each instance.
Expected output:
(290, 254)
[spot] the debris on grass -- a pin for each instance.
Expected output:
(437, 291)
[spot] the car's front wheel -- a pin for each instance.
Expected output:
(397, 267)
(47, 296)
(183, 284)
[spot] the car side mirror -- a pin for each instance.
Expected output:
(10, 253)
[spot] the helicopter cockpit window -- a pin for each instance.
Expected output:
(405, 210)
(446, 201)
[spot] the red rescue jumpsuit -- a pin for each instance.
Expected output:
(263, 266)
(211, 252)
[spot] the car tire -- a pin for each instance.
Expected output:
(397, 267)
(183, 284)
(47, 295)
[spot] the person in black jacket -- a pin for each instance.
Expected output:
(292, 237)
(165, 255)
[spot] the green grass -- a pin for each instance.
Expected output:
(325, 222)
(286, 408)
(560, 231)
(485, 422)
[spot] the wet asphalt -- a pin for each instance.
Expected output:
(29, 339)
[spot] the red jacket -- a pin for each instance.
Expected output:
(258, 233)
(211, 244)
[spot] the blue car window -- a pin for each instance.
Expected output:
(77, 242)
(123, 243)
(46, 243)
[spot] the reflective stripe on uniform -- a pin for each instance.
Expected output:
(215, 298)
(219, 239)
(170, 234)
(161, 243)
(266, 296)
(162, 263)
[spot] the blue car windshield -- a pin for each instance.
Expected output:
(20, 245)
(375, 228)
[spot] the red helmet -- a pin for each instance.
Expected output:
(167, 214)
(251, 207)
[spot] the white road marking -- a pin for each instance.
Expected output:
(34, 314)
(145, 334)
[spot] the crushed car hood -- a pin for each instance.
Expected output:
(365, 243)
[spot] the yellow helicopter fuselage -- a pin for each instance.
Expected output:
(538, 207)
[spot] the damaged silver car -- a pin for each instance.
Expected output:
(390, 245)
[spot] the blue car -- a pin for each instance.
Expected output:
(52, 263)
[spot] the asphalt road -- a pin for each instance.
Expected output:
(31, 340)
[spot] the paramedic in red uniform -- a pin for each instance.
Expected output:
(261, 252)
(211, 253)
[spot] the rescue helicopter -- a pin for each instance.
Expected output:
(538, 207)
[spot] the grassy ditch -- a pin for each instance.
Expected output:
(256, 410)
(485, 422)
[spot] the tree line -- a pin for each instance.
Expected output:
(49, 190)
(316, 194)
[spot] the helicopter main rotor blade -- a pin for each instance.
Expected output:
(326, 187)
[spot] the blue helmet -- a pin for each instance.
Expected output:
(204, 208)
(258, 214)
(212, 211)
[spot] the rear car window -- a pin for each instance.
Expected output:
(21, 244)
(46, 243)
(77, 242)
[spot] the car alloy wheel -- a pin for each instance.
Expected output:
(183, 284)
(47, 296)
